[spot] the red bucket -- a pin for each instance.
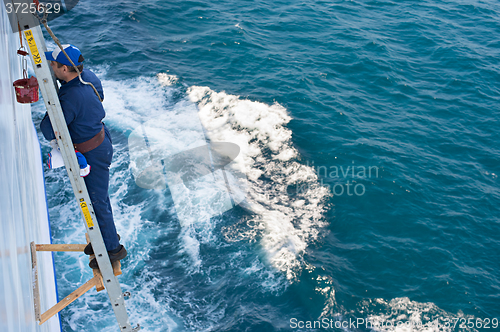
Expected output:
(26, 90)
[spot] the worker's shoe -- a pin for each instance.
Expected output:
(90, 251)
(120, 254)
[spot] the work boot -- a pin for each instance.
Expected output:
(90, 251)
(113, 257)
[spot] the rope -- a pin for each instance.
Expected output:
(44, 22)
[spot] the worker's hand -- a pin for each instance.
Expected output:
(55, 156)
(54, 144)
(84, 167)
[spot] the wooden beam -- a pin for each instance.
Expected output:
(68, 299)
(117, 269)
(60, 247)
(34, 275)
(99, 285)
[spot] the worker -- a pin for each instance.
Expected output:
(84, 112)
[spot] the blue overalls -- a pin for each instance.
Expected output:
(83, 113)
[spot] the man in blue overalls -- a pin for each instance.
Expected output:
(83, 112)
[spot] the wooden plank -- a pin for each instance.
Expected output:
(34, 276)
(100, 285)
(117, 269)
(60, 247)
(68, 299)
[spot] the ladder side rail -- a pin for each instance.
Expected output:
(51, 100)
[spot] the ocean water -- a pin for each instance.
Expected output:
(369, 139)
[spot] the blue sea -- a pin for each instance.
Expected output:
(369, 138)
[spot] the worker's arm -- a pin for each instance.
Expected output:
(69, 115)
(96, 82)
(46, 128)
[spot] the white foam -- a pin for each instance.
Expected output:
(267, 159)
(288, 222)
(166, 79)
(128, 103)
(403, 315)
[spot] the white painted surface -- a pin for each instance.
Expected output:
(23, 209)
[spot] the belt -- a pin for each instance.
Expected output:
(91, 144)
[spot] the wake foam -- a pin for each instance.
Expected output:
(286, 201)
(285, 197)
(166, 79)
(402, 315)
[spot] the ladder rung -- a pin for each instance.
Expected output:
(60, 247)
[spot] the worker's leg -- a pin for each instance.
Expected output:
(97, 182)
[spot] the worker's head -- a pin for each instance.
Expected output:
(62, 67)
